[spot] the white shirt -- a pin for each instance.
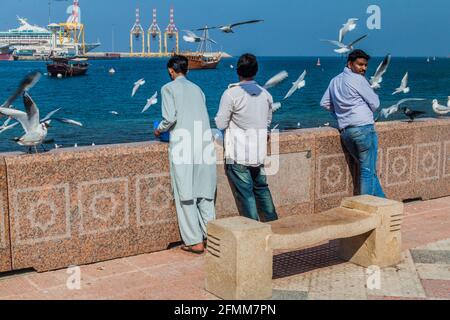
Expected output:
(245, 113)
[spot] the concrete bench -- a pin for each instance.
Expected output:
(239, 261)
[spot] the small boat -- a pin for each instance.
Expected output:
(318, 64)
(67, 67)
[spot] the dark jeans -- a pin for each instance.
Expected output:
(362, 144)
(251, 191)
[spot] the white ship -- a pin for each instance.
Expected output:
(32, 40)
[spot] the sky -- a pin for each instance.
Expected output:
(290, 27)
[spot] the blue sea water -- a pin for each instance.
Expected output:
(89, 99)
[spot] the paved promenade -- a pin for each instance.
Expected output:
(314, 273)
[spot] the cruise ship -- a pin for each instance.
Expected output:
(32, 40)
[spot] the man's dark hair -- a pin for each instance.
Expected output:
(247, 66)
(179, 64)
(357, 54)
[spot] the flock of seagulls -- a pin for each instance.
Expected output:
(377, 78)
(36, 129)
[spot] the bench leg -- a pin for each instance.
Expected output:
(239, 260)
(381, 247)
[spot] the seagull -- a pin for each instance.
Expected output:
(300, 83)
(411, 114)
(440, 109)
(350, 25)
(229, 27)
(231, 66)
(276, 106)
(276, 79)
(153, 100)
(404, 86)
(26, 84)
(386, 112)
(4, 127)
(35, 130)
(275, 127)
(114, 113)
(345, 48)
(381, 70)
(191, 37)
(137, 85)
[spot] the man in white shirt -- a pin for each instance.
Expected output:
(245, 114)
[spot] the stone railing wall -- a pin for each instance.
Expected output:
(84, 205)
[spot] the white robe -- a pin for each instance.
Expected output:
(192, 152)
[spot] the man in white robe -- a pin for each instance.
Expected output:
(192, 154)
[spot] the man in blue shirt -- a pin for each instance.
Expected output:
(353, 101)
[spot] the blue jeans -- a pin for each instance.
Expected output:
(251, 191)
(362, 144)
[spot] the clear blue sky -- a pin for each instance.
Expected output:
(291, 27)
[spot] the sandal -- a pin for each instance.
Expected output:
(191, 250)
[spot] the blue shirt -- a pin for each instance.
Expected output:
(352, 100)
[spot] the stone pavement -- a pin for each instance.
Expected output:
(314, 273)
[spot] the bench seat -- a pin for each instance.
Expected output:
(296, 232)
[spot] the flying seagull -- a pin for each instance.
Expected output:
(440, 109)
(300, 83)
(386, 112)
(376, 80)
(345, 48)
(350, 25)
(276, 79)
(153, 100)
(35, 130)
(191, 37)
(229, 27)
(276, 106)
(404, 86)
(26, 84)
(137, 85)
(275, 127)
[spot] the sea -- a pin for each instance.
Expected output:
(90, 99)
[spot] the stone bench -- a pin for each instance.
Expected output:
(239, 261)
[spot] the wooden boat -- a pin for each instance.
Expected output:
(199, 61)
(67, 67)
(204, 58)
